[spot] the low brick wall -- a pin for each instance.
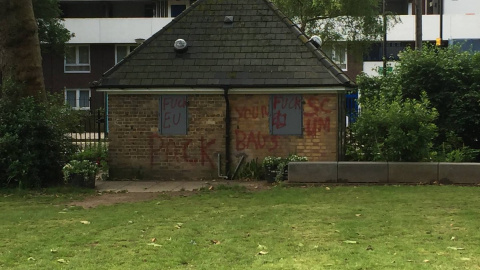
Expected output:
(384, 172)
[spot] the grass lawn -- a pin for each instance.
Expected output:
(366, 227)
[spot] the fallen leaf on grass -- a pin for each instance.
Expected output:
(215, 242)
(261, 247)
(154, 244)
(456, 248)
(178, 225)
(327, 188)
(61, 261)
(263, 252)
(31, 259)
(350, 242)
(358, 215)
(426, 261)
(154, 239)
(85, 222)
(53, 250)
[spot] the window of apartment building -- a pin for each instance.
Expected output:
(173, 115)
(338, 53)
(121, 51)
(78, 98)
(177, 7)
(77, 59)
(286, 114)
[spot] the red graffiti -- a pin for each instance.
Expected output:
(287, 102)
(253, 112)
(172, 102)
(317, 124)
(180, 150)
(256, 140)
(318, 106)
(279, 119)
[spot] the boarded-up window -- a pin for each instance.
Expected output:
(286, 114)
(173, 115)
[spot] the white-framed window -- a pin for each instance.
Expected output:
(78, 99)
(77, 59)
(338, 53)
(121, 51)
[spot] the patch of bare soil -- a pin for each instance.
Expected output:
(109, 198)
(114, 198)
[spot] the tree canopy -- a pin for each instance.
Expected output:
(51, 32)
(349, 20)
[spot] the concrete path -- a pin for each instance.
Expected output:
(161, 186)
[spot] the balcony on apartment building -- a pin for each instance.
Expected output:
(118, 21)
(456, 22)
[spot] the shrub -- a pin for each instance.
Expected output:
(33, 144)
(251, 170)
(276, 168)
(394, 130)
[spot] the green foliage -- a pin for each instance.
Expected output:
(87, 169)
(277, 167)
(33, 144)
(451, 79)
(251, 170)
(52, 33)
(393, 130)
(449, 153)
(96, 154)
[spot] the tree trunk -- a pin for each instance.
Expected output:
(418, 24)
(20, 57)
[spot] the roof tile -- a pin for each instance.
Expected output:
(262, 47)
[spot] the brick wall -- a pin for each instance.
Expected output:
(251, 134)
(137, 150)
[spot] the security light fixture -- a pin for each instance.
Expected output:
(180, 45)
(316, 41)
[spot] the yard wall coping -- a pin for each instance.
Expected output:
(384, 172)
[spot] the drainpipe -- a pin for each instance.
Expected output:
(227, 131)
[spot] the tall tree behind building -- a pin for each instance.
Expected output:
(20, 57)
(333, 20)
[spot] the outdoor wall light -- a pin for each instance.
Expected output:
(180, 45)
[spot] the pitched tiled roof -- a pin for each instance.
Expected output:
(261, 48)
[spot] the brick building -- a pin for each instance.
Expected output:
(241, 80)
